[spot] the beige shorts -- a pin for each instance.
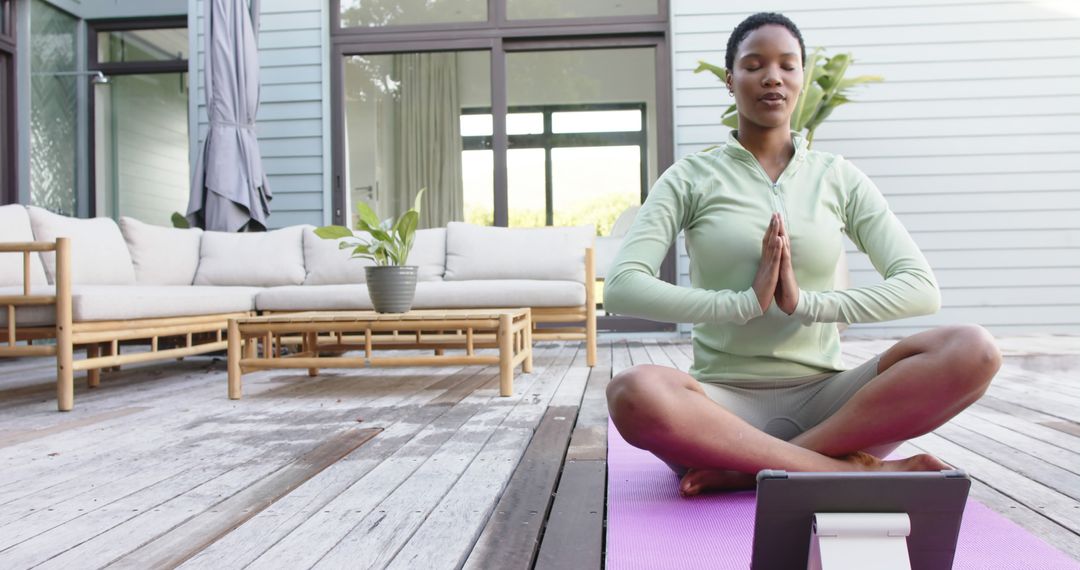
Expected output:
(786, 407)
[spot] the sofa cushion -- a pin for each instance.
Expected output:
(498, 293)
(314, 298)
(162, 256)
(327, 264)
(33, 315)
(483, 252)
(15, 227)
(113, 302)
(256, 259)
(99, 255)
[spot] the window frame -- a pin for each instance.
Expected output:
(549, 140)
(9, 181)
(93, 27)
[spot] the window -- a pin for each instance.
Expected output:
(567, 164)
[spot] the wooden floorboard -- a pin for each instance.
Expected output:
(157, 468)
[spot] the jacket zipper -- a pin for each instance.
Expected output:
(777, 199)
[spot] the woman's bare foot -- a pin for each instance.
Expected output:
(699, 481)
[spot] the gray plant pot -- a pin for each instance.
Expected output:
(392, 287)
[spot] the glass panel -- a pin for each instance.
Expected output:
(403, 132)
(476, 126)
(552, 9)
(596, 121)
(6, 130)
(166, 44)
(52, 108)
(380, 13)
(585, 194)
(524, 123)
(525, 181)
(141, 146)
(590, 184)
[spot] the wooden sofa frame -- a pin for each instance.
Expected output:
(101, 339)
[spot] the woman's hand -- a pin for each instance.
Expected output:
(787, 289)
(768, 272)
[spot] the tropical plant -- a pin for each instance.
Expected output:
(390, 240)
(179, 221)
(824, 89)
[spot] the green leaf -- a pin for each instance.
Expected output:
(333, 232)
(361, 249)
(367, 216)
(417, 202)
(716, 70)
(179, 221)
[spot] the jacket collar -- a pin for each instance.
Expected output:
(735, 149)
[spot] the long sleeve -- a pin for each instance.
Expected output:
(909, 288)
(633, 287)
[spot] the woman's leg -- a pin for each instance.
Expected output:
(664, 411)
(924, 380)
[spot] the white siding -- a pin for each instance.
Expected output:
(974, 138)
(291, 123)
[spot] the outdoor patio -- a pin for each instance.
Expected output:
(418, 467)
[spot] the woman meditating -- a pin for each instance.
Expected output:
(763, 218)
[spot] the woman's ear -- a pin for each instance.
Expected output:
(730, 84)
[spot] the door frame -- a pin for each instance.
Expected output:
(499, 37)
(9, 180)
(93, 27)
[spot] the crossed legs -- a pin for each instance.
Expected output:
(922, 382)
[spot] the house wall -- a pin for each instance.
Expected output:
(974, 138)
(292, 123)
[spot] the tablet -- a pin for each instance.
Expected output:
(786, 502)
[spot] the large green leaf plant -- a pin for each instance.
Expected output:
(388, 241)
(824, 89)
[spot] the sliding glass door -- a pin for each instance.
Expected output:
(403, 123)
(140, 119)
(508, 112)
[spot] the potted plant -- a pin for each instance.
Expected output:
(391, 283)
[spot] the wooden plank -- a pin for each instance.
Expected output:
(447, 535)
(1064, 458)
(16, 437)
(1030, 465)
(512, 534)
(1047, 500)
(657, 355)
(127, 517)
(259, 534)
(574, 534)
(325, 529)
(1031, 520)
(620, 357)
(199, 531)
(314, 507)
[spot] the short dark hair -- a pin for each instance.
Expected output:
(754, 22)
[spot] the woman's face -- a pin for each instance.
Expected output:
(767, 77)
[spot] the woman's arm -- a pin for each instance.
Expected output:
(632, 287)
(909, 288)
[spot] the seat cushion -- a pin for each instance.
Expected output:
(314, 298)
(99, 255)
(15, 227)
(498, 293)
(109, 303)
(328, 264)
(162, 256)
(32, 316)
(252, 259)
(482, 252)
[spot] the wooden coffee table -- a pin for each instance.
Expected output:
(326, 339)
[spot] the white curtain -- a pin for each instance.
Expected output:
(427, 151)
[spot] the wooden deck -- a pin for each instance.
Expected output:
(417, 467)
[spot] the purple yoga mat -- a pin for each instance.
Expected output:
(650, 526)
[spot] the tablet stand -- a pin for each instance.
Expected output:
(847, 541)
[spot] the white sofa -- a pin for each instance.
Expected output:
(92, 283)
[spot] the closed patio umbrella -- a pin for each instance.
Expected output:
(229, 191)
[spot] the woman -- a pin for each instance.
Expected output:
(763, 218)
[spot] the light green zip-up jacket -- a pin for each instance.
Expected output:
(722, 199)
